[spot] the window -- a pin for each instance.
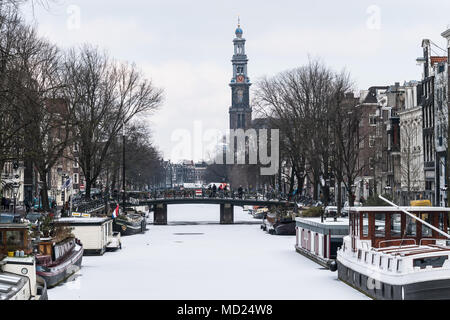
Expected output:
(396, 224)
(410, 227)
(371, 141)
(435, 262)
(1, 238)
(75, 178)
(366, 255)
(373, 259)
(359, 254)
(372, 120)
(426, 231)
(75, 163)
(365, 224)
(14, 238)
(399, 265)
(441, 221)
(380, 224)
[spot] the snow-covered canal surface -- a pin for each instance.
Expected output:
(205, 261)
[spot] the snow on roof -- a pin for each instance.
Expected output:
(326, 222)
(83, 220)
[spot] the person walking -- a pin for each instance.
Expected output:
(27, 206)
(240, 191)
(214, 190)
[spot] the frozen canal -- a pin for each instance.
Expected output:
(204, 261)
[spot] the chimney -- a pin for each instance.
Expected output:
(446, 35)
(427, 57)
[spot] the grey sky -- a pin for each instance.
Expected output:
(186, 46)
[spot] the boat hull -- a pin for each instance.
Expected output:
(427, 290)
(129, 229)
(54, 276)
(41, 288)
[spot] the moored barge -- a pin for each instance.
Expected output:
(397, 253)
(57, 261)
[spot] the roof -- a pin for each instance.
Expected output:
(436, 59)
(10, 284)
(394, 209)
(83, 220)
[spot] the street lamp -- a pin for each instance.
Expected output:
(15, 192)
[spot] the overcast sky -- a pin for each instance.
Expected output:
(185, 46)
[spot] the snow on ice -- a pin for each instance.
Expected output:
(204, 261)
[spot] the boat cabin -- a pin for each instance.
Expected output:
(381, 227)
(13, 238)
(94, 233)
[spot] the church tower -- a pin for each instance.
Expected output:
(240, 110)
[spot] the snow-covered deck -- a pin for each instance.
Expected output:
(204, 261)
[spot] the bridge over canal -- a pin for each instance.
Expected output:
(226, 205)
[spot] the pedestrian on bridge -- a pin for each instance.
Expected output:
(240, 191)
(214, 190)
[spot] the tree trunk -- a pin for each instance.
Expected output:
(44, 192)
(339, 197)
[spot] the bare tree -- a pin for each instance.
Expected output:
(411, 159)
(44, 116)
(105, 95)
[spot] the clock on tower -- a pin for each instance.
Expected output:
(240, 110)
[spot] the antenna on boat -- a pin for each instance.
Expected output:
(415, 217)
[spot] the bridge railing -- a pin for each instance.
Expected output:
(218, 194)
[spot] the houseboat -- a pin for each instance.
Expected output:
(58, 260)
(319, 239)
(18, 278)
(397, 253)
(96, 234)
(277, 224)
(260, 213)
(132, 222)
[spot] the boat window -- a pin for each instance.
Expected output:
(399, 264)
(357, 224)
(441, 222)
(380, 223)
(435, 262)
(389, 266)
(426, 231)
(410, 226)
(396, 224)
(373, 259)
(365, 256)
(14, 238)
(359, 254)
(365, 224)
(381, 262)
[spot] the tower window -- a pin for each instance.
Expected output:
(240, 70)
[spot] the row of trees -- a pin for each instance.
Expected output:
(51, 100)
(318, 121)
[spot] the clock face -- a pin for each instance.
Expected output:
(240, 79)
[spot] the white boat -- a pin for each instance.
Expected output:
(96, 234)
(397, 253)
(18, 279)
